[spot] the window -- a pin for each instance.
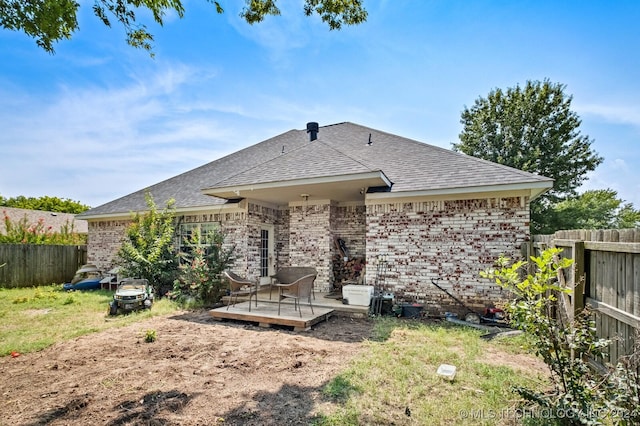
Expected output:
(187, 233)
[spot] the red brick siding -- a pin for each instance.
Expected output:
(106, 236)
(454, 240)
(311, 241)
(104, 241)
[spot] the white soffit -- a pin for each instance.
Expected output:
(346, 187)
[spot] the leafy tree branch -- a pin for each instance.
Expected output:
(50, 21)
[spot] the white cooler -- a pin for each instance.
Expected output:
(358, 295)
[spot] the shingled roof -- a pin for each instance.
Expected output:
(340, 150)
(57, 221)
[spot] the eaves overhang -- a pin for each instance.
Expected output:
(533, 190)
(345, 187)
(178, 211)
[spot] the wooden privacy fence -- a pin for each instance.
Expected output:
(29, 265)
(606, 277)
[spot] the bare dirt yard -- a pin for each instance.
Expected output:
(198, 372)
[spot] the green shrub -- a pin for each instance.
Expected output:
(200, 277)
(147, 251)
(581, 394)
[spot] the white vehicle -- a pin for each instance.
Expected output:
(131, 294)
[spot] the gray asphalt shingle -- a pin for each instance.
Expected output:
(340, 149)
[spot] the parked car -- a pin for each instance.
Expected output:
(131, 294)
(88, 277)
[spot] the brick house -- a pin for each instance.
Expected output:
(426, 211)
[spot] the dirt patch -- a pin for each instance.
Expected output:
(518, 362)
(37, 312)
(198, 371)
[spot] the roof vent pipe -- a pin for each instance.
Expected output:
(312, 129)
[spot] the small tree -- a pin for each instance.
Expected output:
(581, 395)
(200, 275)
(564, 346)
(148, 251)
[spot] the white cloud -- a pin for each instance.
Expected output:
(620, 114)
(96, 143)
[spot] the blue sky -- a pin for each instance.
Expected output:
(99, 120)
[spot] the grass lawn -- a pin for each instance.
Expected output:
(396, 381)
(34, 318)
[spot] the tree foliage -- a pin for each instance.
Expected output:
(45, 203)
(595, 209)
(148, 251)
(49, 21)
(531, 128)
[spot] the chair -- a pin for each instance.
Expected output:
(239, 286)
(297, 290)
(289, 274)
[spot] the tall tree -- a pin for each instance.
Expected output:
(531, 128)
(49, 21)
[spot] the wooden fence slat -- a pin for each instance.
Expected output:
(611, 271)
(614, 247)
(630, 285)
(578, 276)
(596, 286)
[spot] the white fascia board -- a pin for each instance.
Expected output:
(179, 211)
(299, 182)
(534, 188)
(110, 216)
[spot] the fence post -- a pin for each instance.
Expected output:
(579, 277)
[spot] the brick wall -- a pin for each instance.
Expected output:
(348, 222)
(258, 216)
(283, 232)
(420, 240)
(454, 240)
(310, 240)
(104, 241)
(106, 236)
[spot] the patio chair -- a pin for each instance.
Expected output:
(289, 274)
(239, 286)
(300, 289)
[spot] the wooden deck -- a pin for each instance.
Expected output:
(266, 314)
